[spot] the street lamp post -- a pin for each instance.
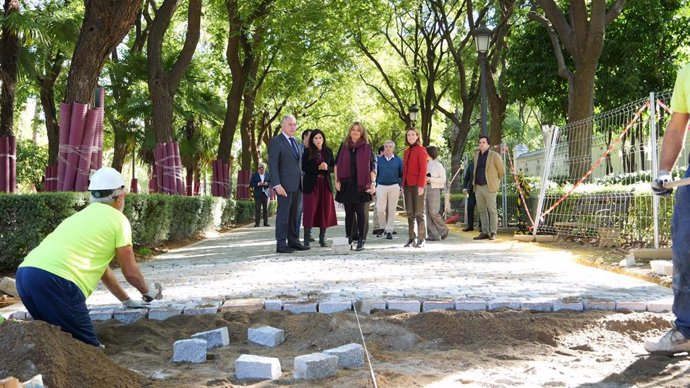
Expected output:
(414, 110)
(482, 38)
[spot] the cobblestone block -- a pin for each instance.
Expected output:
(266, 336)
(243, 304)
(470, 304)
(209, 307)
(660, 306)
(496, 304)
(340, 245)
(214, 338)
(248, 366)
(273, 305)
(568, 305)
(334, 306)
(595, 304)
(190, 350)
(21, 315)
(349, 356)
(412, 306)
(631, 306)
(101, 313)
(537, 305)
(161, 314)
(129, 316)
(365, 306)
(429, 305)
(300, 307)
(315, 366)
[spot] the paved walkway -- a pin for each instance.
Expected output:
(243, 264)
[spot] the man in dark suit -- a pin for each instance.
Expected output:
(285, 173)
(260, 182)
(468, 189)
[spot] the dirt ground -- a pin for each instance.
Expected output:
(436, 349)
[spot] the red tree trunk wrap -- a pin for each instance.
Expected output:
(76, 133)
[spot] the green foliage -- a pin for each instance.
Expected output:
(244, 211)
(32, 160)
(25, 220)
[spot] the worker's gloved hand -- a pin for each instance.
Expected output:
(133, 304)
(658, 188)
(155, 292)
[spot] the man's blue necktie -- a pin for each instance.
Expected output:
(294, 147)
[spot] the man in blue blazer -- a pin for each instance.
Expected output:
(260, 182)
(285, 173)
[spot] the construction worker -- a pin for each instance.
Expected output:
(58, 275)
(677, 339)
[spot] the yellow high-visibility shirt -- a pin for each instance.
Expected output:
(82, 246)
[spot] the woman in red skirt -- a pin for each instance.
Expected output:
(319, 208)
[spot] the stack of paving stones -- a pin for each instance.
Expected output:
(194, 350)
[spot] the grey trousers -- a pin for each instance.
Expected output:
(486, 206)
(414, 207)
(435, 227)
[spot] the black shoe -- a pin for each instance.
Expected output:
(394, 232)
(378, 232)
(256, 225)
(419, 244)
(267, 225)
(431, 239)
(389, 236)
(322, 241)
(299, 247)
(482, 236)
(306, 243)
(468, 230)
(360, 245)
(284, 250)
(410, 243)
(492, 236)
(311, 239)
(444, 235)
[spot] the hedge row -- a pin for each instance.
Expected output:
(156, 219)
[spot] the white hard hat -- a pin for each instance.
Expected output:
(106, 178)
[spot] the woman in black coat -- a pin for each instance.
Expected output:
(319, 208)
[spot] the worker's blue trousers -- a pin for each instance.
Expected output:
(57, 301)
(680, 232)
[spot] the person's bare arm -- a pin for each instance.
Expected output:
(111, 283)
(130, 268)
(674, 138)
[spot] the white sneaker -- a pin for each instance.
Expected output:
(670, 343)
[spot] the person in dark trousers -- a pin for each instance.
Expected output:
(355, 177)
(319, 208)
(468, 189)
(58, 275)
(303, 148)
(285, 174)
(677, 339)
(260, 183)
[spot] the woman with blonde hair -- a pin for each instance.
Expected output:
(355, 177)
(414, 182)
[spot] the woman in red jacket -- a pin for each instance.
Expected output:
(414, 182)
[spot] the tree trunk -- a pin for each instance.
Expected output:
(9, 63)
(120, 144)
(47, 96)
(105, 24)
(580, 108)
(497, 112)
(163, 84)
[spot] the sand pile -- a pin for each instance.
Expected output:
(34, 347)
